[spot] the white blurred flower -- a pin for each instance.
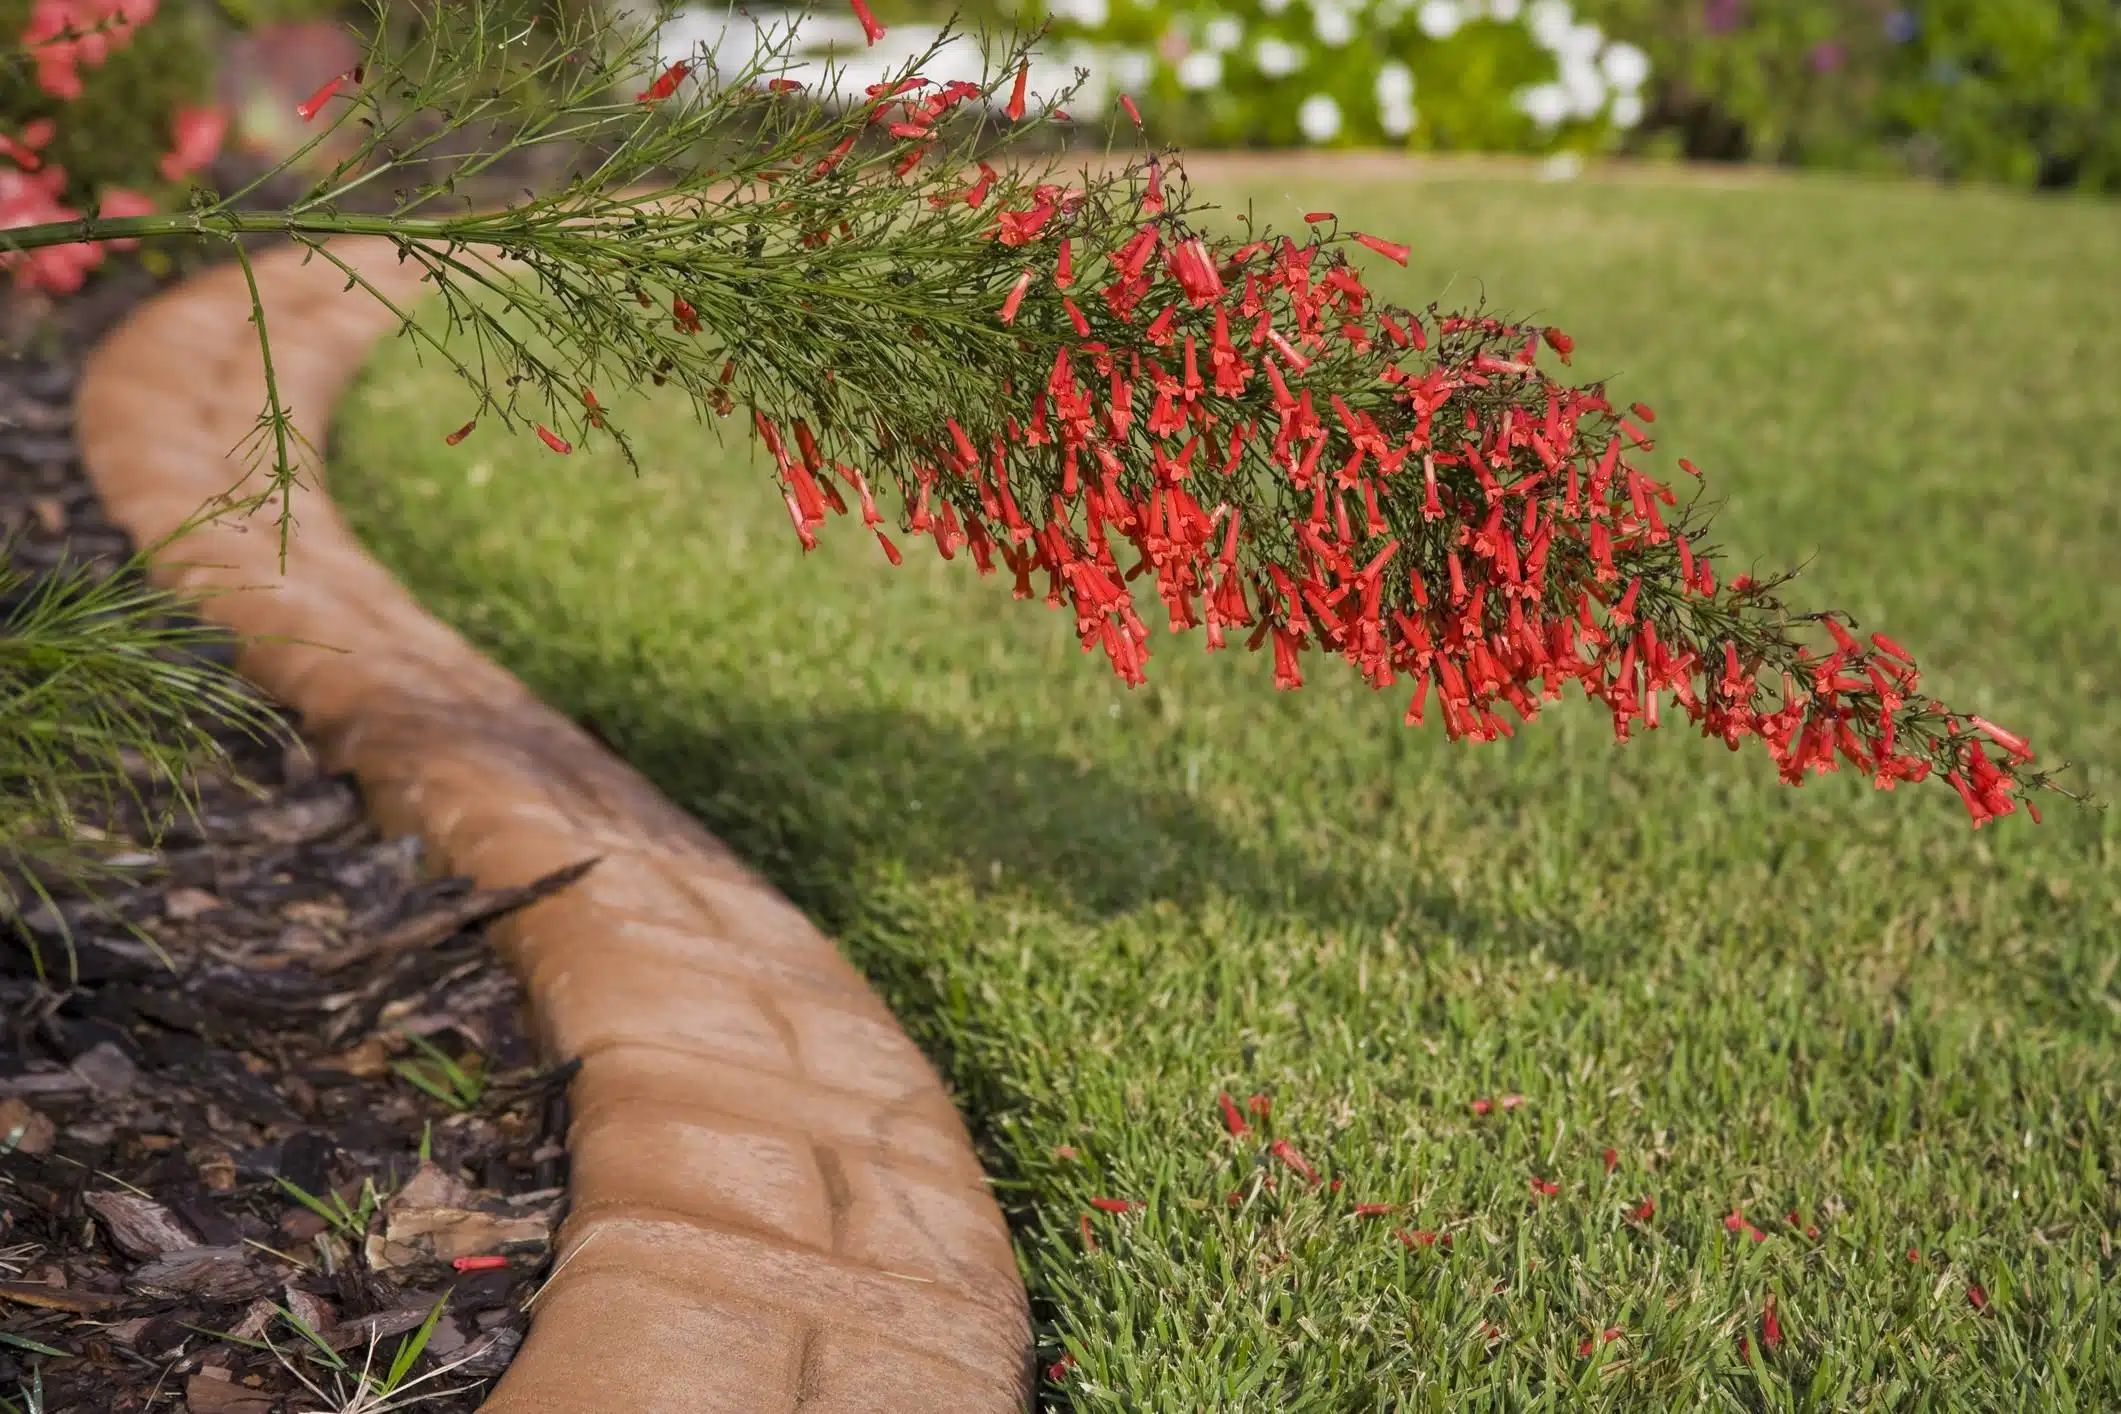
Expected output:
(1626, 67)
(1272, 7)
(1131, 69)
(1439, 19)
(1627, 110)
(1546, 104)
(1223, 34)
(1581, 42)
(1318, 118)
(1395, 84)
(1397, 119)
(1584, 85)
(1200, 70)
(1550, 22)
(1561, 167)
(1276, 58)
(1090, 14)
(1505, 10)
(1333, 25)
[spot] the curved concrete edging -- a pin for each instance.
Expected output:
(775, 1205)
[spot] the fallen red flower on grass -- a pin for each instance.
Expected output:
(1114, 1205)
(1285, 1151)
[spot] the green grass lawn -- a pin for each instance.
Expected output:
(1099, 908)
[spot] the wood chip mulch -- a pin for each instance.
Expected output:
(216, 1121)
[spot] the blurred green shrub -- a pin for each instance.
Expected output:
(2020, 91)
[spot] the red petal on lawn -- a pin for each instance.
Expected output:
(1977, 1297)
(1544, 1186)
(1511, 1102)
(1914, 1254)
(1059, 1369)
(1642, 1212)
(1612, 1159)
(1113, 1205)
(1285, 1151)
(1770, 1328)
(1424, 1238)
(1371, 1210)
(870, 27)
(1736, 1221)
(1232, 1120)
(1260, 1106)
(1481, 1107)
(1089, 1238)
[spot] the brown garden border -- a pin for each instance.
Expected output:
(775, 1204)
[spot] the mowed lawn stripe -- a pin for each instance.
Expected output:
(1846, 1053)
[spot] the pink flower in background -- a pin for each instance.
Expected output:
(1723, 16)
(196, 135)
(118, 202)
(22, 148)
(28, 199)
(1826, 57)
(65, 34)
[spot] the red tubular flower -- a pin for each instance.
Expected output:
(553, 440)
(309, 107)
(1390, 250)
(1015, 110)
(1016, 297)
(666, 83)
(870, 28)
(460, 434)
(1285, 1151)
(1126, 101)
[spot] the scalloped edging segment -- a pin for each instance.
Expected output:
(776, 1206)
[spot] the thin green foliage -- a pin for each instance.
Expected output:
(457, 1084)
(349, 1220)
(103, 695)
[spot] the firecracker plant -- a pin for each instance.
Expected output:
(1071, 377)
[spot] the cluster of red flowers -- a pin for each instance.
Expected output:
(1291, 460)
(61, 37)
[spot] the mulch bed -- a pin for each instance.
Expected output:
(231, 1047)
